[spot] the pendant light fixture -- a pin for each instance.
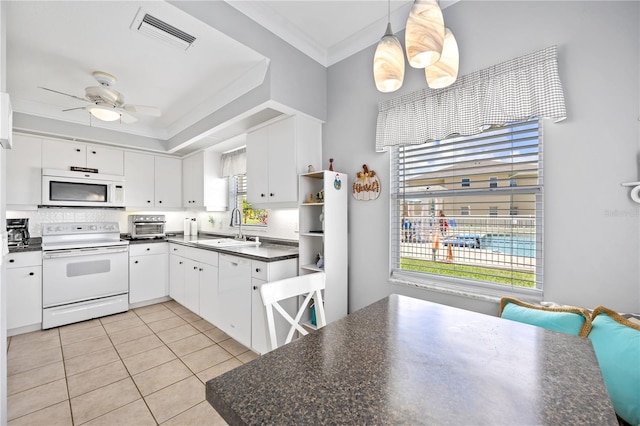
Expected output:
(424, 34)
(388, 61)
(444, 72)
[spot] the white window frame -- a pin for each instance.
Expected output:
(458, 285)
(235, 202)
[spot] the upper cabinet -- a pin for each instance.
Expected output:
(276, 155)
(24, 172)
(62, 155)
(152, 181)
(202, 186)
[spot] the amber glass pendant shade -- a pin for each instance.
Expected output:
(444, 72)
(424, 34)
(388, 63)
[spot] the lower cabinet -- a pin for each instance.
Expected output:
(24, 289)
(193, 279)
(261, 273)
(148, 277)
(234, 296)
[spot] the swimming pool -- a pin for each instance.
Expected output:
(513, 245)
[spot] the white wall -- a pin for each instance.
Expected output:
(3, 290)
(592, 250)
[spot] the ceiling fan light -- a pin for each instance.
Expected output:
(424, 33)
(444, 72)
(388, 63)
(103, 113)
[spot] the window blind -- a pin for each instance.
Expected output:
(470, 207)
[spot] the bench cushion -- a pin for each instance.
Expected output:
(565, 319)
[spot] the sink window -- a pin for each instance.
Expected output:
(250, 216)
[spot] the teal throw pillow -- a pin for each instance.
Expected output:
(570, 320)
(616, 342)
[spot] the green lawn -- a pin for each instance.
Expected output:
(479, 273)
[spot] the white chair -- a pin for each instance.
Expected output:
(310, 285)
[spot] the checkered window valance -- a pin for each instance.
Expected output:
(518, 89)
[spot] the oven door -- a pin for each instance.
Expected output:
(75, 275)
(147, 229)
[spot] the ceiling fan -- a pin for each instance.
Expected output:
(106, 103)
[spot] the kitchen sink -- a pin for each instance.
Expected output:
(225, 242)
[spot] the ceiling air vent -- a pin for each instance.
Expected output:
(158, 29)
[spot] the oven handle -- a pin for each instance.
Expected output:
(90, 251)
(150, 223)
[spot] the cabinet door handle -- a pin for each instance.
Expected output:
(160, 201)
(11, 260)
(180, 263)
(195, 267)
(77, 149)
(255, 287)
(262, 195)
(31, 273)
(135, 261)
(148, 201)
(93, 152)
(175, 249)
(258, 269)
(271, 194)
(201, 269)
(148, 248)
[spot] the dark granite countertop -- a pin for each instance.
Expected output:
(407, 361)
(35, 244)
(268, 251)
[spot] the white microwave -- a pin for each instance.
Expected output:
(62, 188)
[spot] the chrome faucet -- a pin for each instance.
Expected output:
(239, 236)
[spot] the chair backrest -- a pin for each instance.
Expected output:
(310, 286)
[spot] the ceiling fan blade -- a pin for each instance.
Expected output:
(126, 118)
(143, 110)
(73, 109)
(65, 94)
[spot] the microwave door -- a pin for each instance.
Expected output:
(78, 192)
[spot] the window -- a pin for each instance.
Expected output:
(513, 182)
(479, 242)
(250, 216)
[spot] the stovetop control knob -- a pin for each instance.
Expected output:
(93, 227)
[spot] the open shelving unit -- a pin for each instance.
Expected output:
(327, 236)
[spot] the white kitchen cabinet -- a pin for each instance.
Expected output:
(24, 172)
(262, 272)
(168, 182)
(202, 184)
(62, 155)
(234, 297)
(327, 236)
(149, 180)
(24, 290)
(192, 270)
(276, 155)
(148, 272)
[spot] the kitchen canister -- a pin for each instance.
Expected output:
(194, 226)
(187, 227)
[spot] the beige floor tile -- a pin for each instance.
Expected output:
(89, 380)
(190, 317)
(161, 376)
(70, 328)
(167, 323)
(247, 356)
(125, 324)
(178, 309)
(203, 325)
(35, 377)
(148, 309)
(103, 400)
(173, 334)
(201, 414)
(233, 347)
(79, 335)
(130, 334)
(190, 344)
(35, 399)
(175, 399)
(149, 359)
(27, 346)
(34, 335)
(55, 415)
(157, 315)
(171, 304)
(216, 335)
(205, 358)
(118, 317)
(88, 346)
(90, 361)
(216, 370)
(140, 345)
(33, 360)
(134, 414)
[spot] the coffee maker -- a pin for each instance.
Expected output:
(18, 232)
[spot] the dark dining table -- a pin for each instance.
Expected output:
(405, 361)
